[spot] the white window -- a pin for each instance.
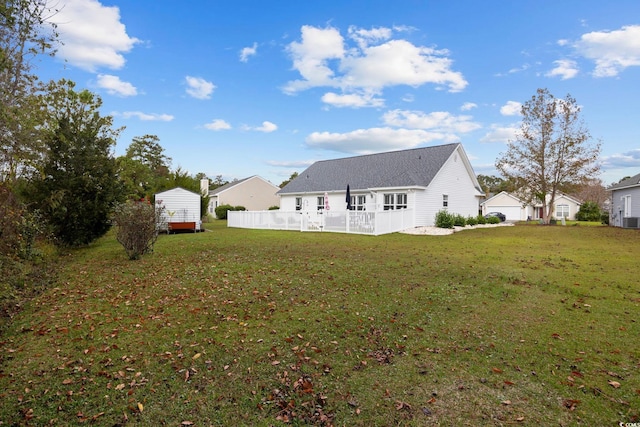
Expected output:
(320, 203)
(358, 202)
(395, 201)
(627, 206)
(401, 201)
(388, 202)
(562, 211)
(298, 203)
(445, 201)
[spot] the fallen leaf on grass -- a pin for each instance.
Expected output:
(506, 402)
(614, 384)
(570, 404)
(140, 407)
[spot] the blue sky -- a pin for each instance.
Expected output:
(242, 88)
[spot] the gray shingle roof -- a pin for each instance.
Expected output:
(629, 182)
(406, 168)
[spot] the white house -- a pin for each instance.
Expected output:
(625, 203)
(254, 193)
(516, 209)
(421, 180)
(182, 209)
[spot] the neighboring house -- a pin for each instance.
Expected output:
(511, 206)
(516, 209)
(424, 180)
(181, 209)
(254, 193)
(625, 203)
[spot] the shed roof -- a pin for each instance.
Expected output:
(406, 168)
(177, 189)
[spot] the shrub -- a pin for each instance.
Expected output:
(481, 220)
(274, 208)
(493, 220)
(444, 219)
(137, 225)
(472, 220)
(589, 211)
(223, 210)
(604, 218)
(459, 220)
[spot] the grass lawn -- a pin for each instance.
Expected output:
(524, 325)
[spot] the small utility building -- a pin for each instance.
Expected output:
(182, 209)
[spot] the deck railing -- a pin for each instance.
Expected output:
(357, 222)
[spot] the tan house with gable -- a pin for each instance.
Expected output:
(516, 209)
(254, 193)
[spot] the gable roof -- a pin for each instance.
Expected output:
(227, 186)
(634, 181)
(515, 198)
(230, 185)
(177, 189)
(406, 168)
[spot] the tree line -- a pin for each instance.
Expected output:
(60, 181)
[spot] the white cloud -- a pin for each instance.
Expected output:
(440, 121)
(564, 68)
(267, 127)
(311, 56)
(246, 52)
(376, 61)
(92, 35)
(468, 106)
(352, 100)
(218, 124)
(115, 86)
(373, 140)
(199, 88)
(291, 164)
(146, 117)
(366, 37)
(511, 108)
(502, 134)
(612, 51)
(623, 160)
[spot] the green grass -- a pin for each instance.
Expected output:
(527, 325)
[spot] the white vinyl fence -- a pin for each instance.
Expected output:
(358, 222)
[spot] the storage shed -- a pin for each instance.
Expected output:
(182, 209)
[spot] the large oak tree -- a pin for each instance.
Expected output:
(552, 152)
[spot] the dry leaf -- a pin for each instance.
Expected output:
(140, 407)
(614, 384)
(196, 356)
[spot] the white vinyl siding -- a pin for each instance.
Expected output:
(453, 180)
